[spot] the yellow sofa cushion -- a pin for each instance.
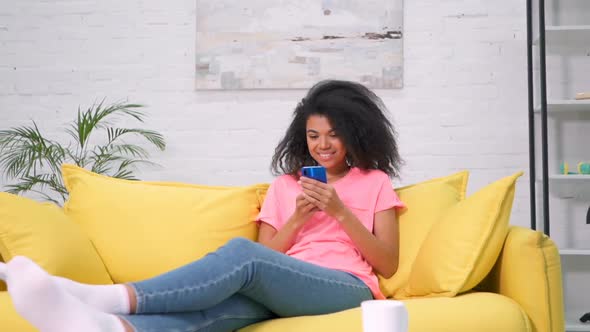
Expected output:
(142, 229)
(462, 247)
(425, 203)
(10, 320)
(469, 312)
(42, 232)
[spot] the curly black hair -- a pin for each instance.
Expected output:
(358, 117)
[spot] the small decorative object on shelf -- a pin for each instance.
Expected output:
(588, 216)
(583, 95)
(585, 318)
(583, 168)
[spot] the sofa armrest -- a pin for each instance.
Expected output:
(528, 271)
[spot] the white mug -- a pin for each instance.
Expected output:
(384, 316)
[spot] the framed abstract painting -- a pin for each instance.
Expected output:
(292, 44)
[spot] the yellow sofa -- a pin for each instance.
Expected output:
(113, 230)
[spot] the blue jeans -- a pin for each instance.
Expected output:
(240, 284)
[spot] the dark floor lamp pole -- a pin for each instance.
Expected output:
(532, 173)
(543, 95)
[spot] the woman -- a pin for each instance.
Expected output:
(319, 244)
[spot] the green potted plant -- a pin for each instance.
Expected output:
(35, 160)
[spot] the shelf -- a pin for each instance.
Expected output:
(585, 178)
(574, 252)
(576, 325)
(569, 186)
(564, 35)
(581, 179)
(563, 105)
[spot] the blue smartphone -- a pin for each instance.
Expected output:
(315, 172)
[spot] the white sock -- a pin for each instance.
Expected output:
(112, 299)
(2, 271)
(39, 300)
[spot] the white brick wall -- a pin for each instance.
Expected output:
(463, 105)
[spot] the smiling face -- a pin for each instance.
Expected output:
(324, 145)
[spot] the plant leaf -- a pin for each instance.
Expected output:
(24, 150)
(135, 151)
(94, 117)
(41, 181)
(151, 136)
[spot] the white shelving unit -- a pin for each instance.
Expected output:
(573, 325)
(564, 64)
(574, 252)
(568, 186)
(558, 106)
(581, 179)
(566, 35)
(575, 268)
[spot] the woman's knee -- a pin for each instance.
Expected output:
(240, 250)
(241, 244)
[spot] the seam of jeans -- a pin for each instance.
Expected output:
(205, 324)
(223, 317)
(236, 269)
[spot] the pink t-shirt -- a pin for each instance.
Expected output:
(322, 241)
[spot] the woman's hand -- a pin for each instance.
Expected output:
(281, 240)
(304, 209)
(323, 196)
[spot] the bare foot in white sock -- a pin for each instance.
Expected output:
(39, 300)
(112, 299)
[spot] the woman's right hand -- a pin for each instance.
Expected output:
(284, 238)
(304, 209)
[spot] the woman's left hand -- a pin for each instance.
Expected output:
(323, 196)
